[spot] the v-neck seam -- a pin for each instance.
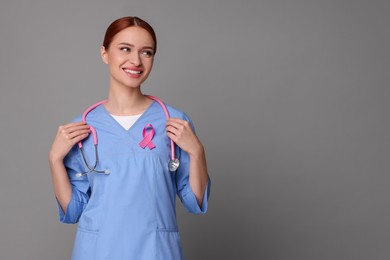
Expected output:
(128, 131)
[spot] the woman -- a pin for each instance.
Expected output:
(123, 196)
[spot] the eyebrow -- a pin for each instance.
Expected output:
(131, 45)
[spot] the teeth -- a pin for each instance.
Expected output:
(133, 71)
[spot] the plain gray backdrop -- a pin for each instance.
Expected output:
(290, 98)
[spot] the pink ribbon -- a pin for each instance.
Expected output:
(148, 136)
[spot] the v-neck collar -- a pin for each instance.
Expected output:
(135, 123)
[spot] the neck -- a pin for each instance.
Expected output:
(127, 102)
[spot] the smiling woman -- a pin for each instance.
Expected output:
(127, 210)
(130, 51)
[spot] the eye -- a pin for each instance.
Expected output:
(147, 53)
(125, 49)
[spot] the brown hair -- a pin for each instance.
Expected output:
(123, 23)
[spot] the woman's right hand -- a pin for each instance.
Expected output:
(67, 136)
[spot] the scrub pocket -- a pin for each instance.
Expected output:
(169, 246)
(85, 244)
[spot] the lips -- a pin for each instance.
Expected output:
(133, 72)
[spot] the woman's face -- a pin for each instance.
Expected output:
(129, 56)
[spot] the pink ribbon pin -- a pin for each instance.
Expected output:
(148, 136)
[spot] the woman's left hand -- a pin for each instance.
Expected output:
(181, 133)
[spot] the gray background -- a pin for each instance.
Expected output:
(290, 97)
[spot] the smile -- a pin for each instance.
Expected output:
(133, 72)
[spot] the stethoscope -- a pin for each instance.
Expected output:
(173, 163)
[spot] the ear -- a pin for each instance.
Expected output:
(104, 54)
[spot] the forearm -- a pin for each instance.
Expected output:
(61, 184)
(198, 173)
(181, 132)
(67, 136)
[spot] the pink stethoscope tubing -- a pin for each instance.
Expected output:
(172, 165)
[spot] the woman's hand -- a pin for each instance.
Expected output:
(67, 136)
(181, 133)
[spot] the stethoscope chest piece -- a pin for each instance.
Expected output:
(173, 164)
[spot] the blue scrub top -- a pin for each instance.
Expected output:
(130, 213)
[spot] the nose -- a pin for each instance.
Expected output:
(135, 59)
